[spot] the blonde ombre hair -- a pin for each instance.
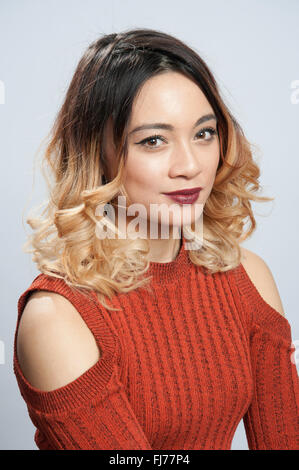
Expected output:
(108, 77)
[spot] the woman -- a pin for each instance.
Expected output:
(151, 342)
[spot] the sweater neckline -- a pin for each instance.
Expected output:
(169, 271)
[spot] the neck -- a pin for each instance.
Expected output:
(163, 251)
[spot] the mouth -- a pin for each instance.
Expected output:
(187, 198)
(184, 192)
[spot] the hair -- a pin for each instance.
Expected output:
(106, 81)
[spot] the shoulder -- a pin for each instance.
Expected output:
(262, 277)
(54, 344)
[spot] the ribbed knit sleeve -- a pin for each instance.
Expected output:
(93, 411)
(272, 419)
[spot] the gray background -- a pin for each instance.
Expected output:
(252, 48)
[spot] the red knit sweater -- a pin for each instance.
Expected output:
(179, 368)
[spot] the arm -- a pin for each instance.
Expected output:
(261, 276)
(65, 381)
(271, 421)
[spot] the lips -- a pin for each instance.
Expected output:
(184, 198)
(187, 192)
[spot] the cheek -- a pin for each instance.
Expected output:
(213, 165)
(212, 170)
(142, 174)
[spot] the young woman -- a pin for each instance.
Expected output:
(151, 342)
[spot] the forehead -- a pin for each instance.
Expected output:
(171, 95)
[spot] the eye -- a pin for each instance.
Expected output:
(156, 137)
(209, 130)
(149, 139)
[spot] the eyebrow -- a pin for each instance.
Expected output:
(169, 127)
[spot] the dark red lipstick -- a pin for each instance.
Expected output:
(185, 196)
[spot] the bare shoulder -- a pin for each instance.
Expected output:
(262, 277)
(54, 344)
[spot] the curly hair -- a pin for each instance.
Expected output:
(104, 85)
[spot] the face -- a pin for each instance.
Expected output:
(163, 160)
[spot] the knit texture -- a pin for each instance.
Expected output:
(179, 367)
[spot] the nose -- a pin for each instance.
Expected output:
(185, 162)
